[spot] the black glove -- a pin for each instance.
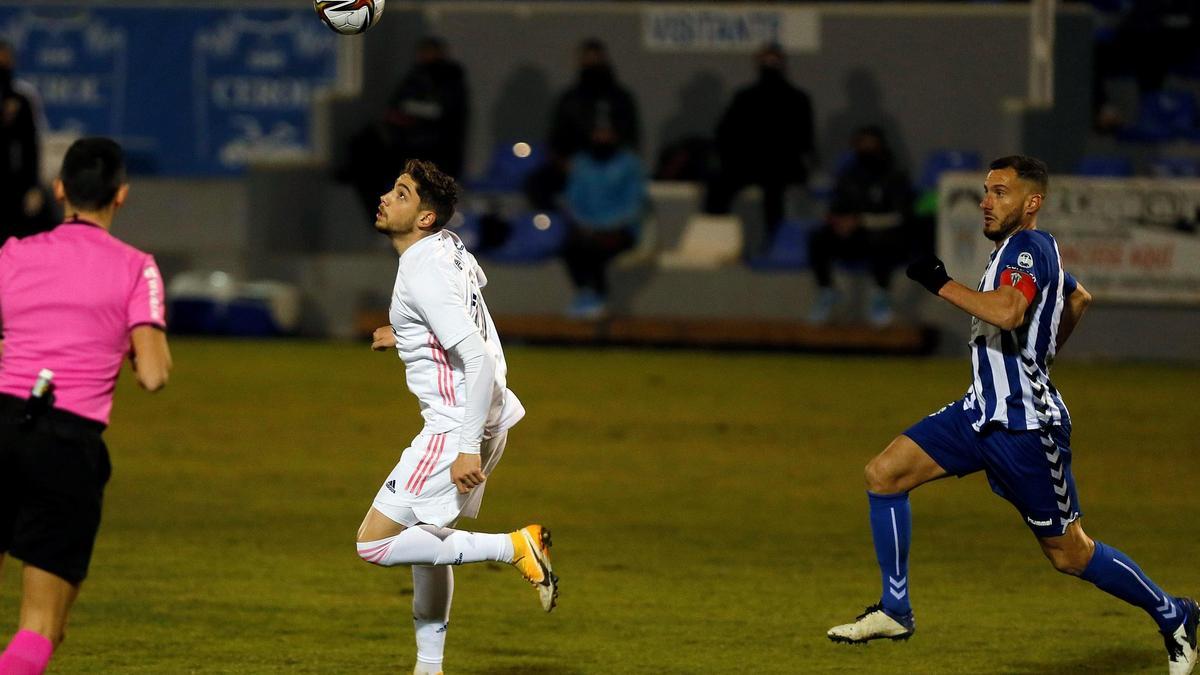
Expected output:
(930, 272)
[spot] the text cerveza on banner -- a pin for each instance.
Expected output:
(1127, 240)
(188, 91)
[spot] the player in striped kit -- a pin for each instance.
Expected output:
(1012, 423)
(455, 366)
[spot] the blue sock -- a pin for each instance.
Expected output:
(1114, 573)
(891, 524)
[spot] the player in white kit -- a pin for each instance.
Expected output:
(455, 366)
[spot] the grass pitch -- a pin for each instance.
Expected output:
(707, 509)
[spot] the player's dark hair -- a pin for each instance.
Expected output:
(93, 170)
(1028, 168)
(437, 191)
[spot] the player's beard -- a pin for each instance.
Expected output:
(1007, 227)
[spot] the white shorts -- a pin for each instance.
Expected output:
(419, 490)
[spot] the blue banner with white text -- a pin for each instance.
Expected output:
(187, 91)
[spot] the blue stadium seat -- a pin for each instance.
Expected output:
(1114, 166)
(534, 237)
(789, 249)
(510, 163)
(1176, 167)
(1163, 116)
(250, 317)
(196, 316)
(939, 161)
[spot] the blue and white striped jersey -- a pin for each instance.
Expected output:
(1011, 384)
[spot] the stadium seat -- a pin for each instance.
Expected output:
(1114, 166)
(534, 237)
(216, 303)
(939, 161)
(1163, 116)
(510, 163)
(196, 316)
(263, 309)
(789, 249)
(707, 242)
(645, 251)
(196, 301)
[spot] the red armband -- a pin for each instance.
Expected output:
(1022, 281)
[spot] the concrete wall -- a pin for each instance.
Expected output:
(294, 223)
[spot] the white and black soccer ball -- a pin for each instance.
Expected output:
(349, 17)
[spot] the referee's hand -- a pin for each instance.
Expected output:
(466, 472)
(383, 339)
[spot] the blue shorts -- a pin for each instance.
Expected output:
(1031, 469)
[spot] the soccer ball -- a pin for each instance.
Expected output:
(349, 17)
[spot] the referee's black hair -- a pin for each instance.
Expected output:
(1028, 168)
(93, 170)
(436, 190)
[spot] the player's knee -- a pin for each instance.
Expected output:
(376, 552)
(879, 478)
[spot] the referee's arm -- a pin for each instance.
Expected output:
(150, 356)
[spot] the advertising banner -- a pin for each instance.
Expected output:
(1127, 240)
(188, 91)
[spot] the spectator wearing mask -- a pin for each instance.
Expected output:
(596, 100)
(605, 199)
(872, 203)
(426, 119)
(764, 138)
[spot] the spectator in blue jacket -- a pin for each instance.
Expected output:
(605, 199)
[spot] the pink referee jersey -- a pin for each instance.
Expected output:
(68, 300)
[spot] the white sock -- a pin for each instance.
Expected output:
(429, 545)
(433, 588)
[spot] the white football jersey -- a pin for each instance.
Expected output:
(435, 304)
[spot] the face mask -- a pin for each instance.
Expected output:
(602, 151)
(596, 76)
(872, 161)
(769, 73)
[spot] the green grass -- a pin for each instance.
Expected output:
(708, 514)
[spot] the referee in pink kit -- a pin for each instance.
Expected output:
(74, 302)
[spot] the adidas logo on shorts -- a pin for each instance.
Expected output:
(391, 486)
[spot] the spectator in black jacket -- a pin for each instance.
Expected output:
(764, 138)
(426, 119)
(21, 198)
(872, 203)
